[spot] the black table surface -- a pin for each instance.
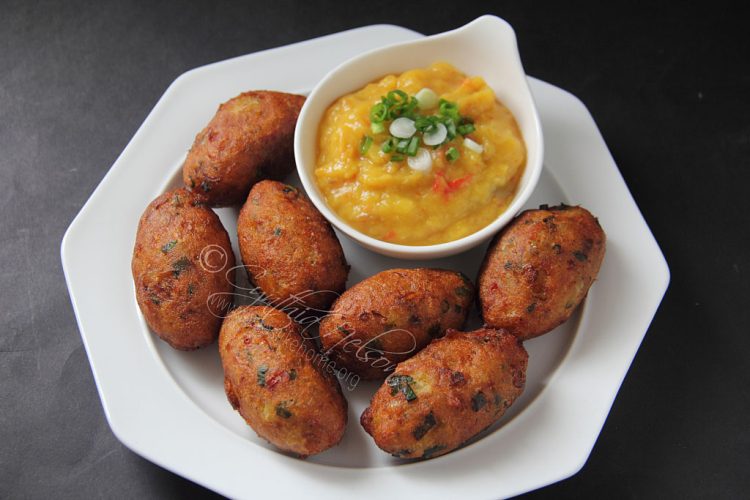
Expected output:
(669, 87)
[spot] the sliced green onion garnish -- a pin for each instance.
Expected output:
(398, 96)
(474, 146)
(435, 136)
(378, 113)
(427, 98)
(411, 150)
(364, 146)
(421, 162)
(403, 128)
(399, 104)
(452, 154)
(423, 124)
(450, 125)
(409, 107)
(465, 129)
(401, 115)
(449, 109)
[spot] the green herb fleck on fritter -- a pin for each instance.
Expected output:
(498, 399)
(180, 265)
(248, 355)
(478, 401)
(168, 246)
(282, 411)
(428, 423)
(401, 383)
(262, 370)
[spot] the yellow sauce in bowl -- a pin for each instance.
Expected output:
(393, 202)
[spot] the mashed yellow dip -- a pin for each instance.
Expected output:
(390, 201)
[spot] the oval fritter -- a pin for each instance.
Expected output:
(390, 316)
(250, 138)
(539, 268)
(288, 248)
(453, 389)
(279, 383)
(183, 269)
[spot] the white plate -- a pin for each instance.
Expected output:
(169, 406)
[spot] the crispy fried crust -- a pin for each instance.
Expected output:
(539, 269)
(289, 250)
(390, 316)
(453, 389)
(273, 377)
(183, 269)
(250, 138)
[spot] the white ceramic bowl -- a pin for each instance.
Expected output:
(485, 47)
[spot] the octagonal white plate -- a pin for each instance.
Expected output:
(170, 407)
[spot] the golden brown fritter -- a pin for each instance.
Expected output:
(289, 250)
(282, 388)
(390, 316)
(453, 389)
(250, 138)
(183, 269)
(539, 268)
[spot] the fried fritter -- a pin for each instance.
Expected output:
(390, 316)
(539, 269)
(250, 138)
(273, 376)
(289, 249)
(453, 389)
(183, 269)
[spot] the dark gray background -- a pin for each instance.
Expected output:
(668, 86)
